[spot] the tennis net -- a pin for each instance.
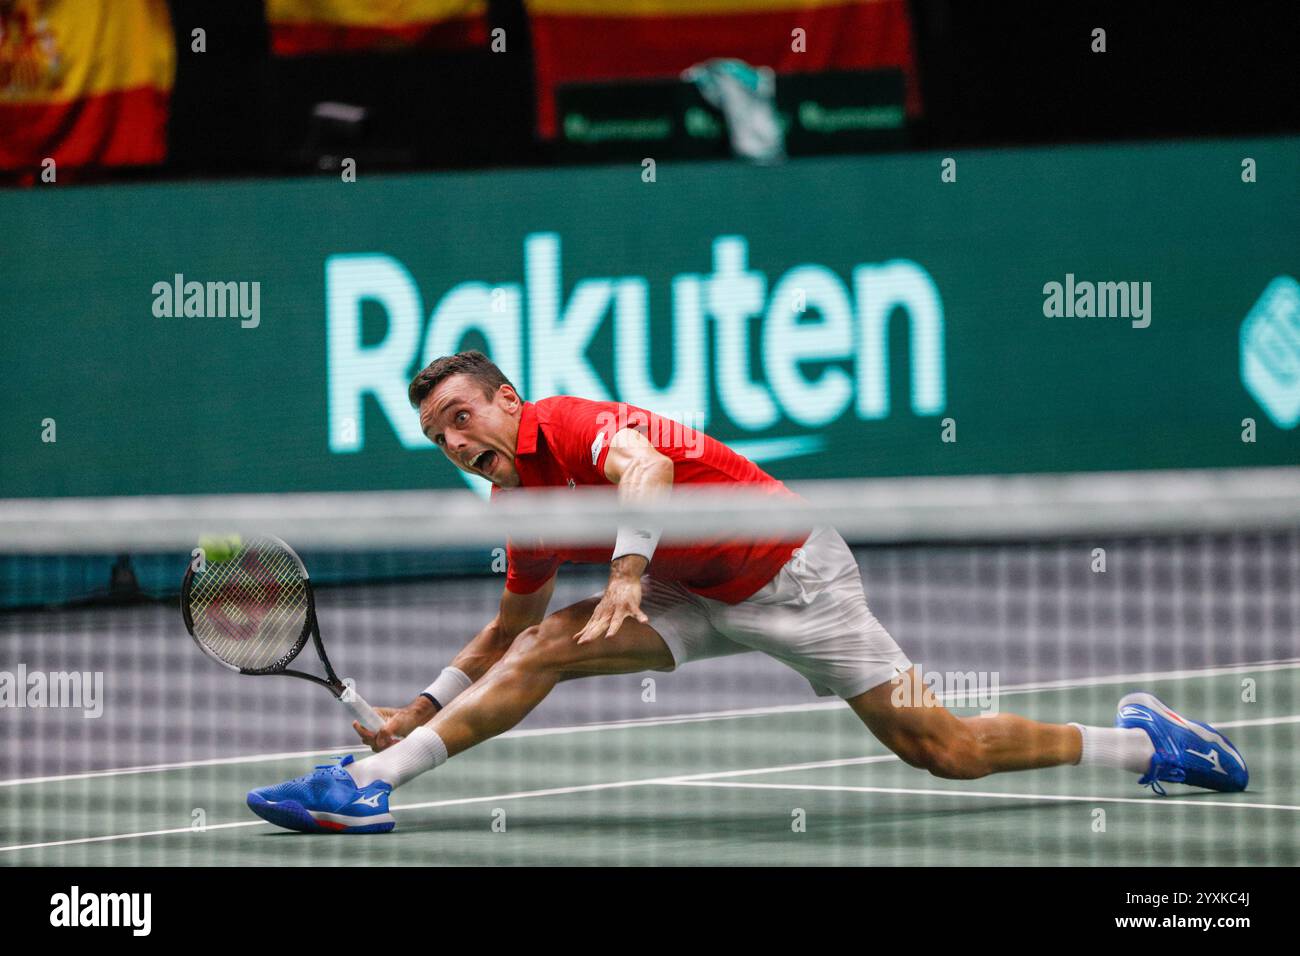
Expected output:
(1052, 598)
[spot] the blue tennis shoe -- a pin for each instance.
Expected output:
(327, 800)
(1187, 751)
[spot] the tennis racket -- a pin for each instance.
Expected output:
(253, 613)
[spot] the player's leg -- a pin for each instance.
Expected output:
(1149, 739)
(679, 631)
(538, 659)
(352, 797)
(814, 617)
(906, 717)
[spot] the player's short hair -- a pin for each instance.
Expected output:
(473, 363)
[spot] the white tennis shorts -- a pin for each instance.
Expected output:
(812, 615)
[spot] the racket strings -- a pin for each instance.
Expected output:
(251, 610)
(254, 623)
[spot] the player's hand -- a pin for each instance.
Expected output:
(398, 723)
(621, 600)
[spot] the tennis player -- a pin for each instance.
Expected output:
(797, 599)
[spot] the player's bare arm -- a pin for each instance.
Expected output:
(644, 477)
(516, 613)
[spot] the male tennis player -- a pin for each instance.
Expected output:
(799, 600)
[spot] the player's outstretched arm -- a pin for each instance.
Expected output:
(516, 613)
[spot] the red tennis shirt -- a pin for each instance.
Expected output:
(564, 441)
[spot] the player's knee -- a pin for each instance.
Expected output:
(951, 758)
(956, 763)
(539, 647)
(913, 751)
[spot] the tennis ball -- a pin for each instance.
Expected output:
(220, 547)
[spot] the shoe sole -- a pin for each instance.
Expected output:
(292, 815)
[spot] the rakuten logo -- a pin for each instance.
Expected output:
(809, 314)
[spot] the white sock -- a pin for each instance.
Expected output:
(405, 760)
(1124, 748)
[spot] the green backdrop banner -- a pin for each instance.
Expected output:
(1088, 308)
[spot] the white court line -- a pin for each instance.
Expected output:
(1184, 674)
(458, 801)
(713, 778)
(681, 778)
(986, 794)
(636, 722)
(181, 765)
(130, 836)
(1257, 721)
(631, 723)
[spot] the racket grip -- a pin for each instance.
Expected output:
(362, 712)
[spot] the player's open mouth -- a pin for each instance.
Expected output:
(484, 461)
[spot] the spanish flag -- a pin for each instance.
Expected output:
(303, 27)
(586, 41)
(86, 83)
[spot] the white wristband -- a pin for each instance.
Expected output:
(642, 541)
(450, 682)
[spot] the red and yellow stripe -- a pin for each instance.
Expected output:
(84, 83)
(305, 27)
(577, 41)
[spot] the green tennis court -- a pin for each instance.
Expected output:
(798, 785)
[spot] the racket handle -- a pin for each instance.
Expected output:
(362, 712)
